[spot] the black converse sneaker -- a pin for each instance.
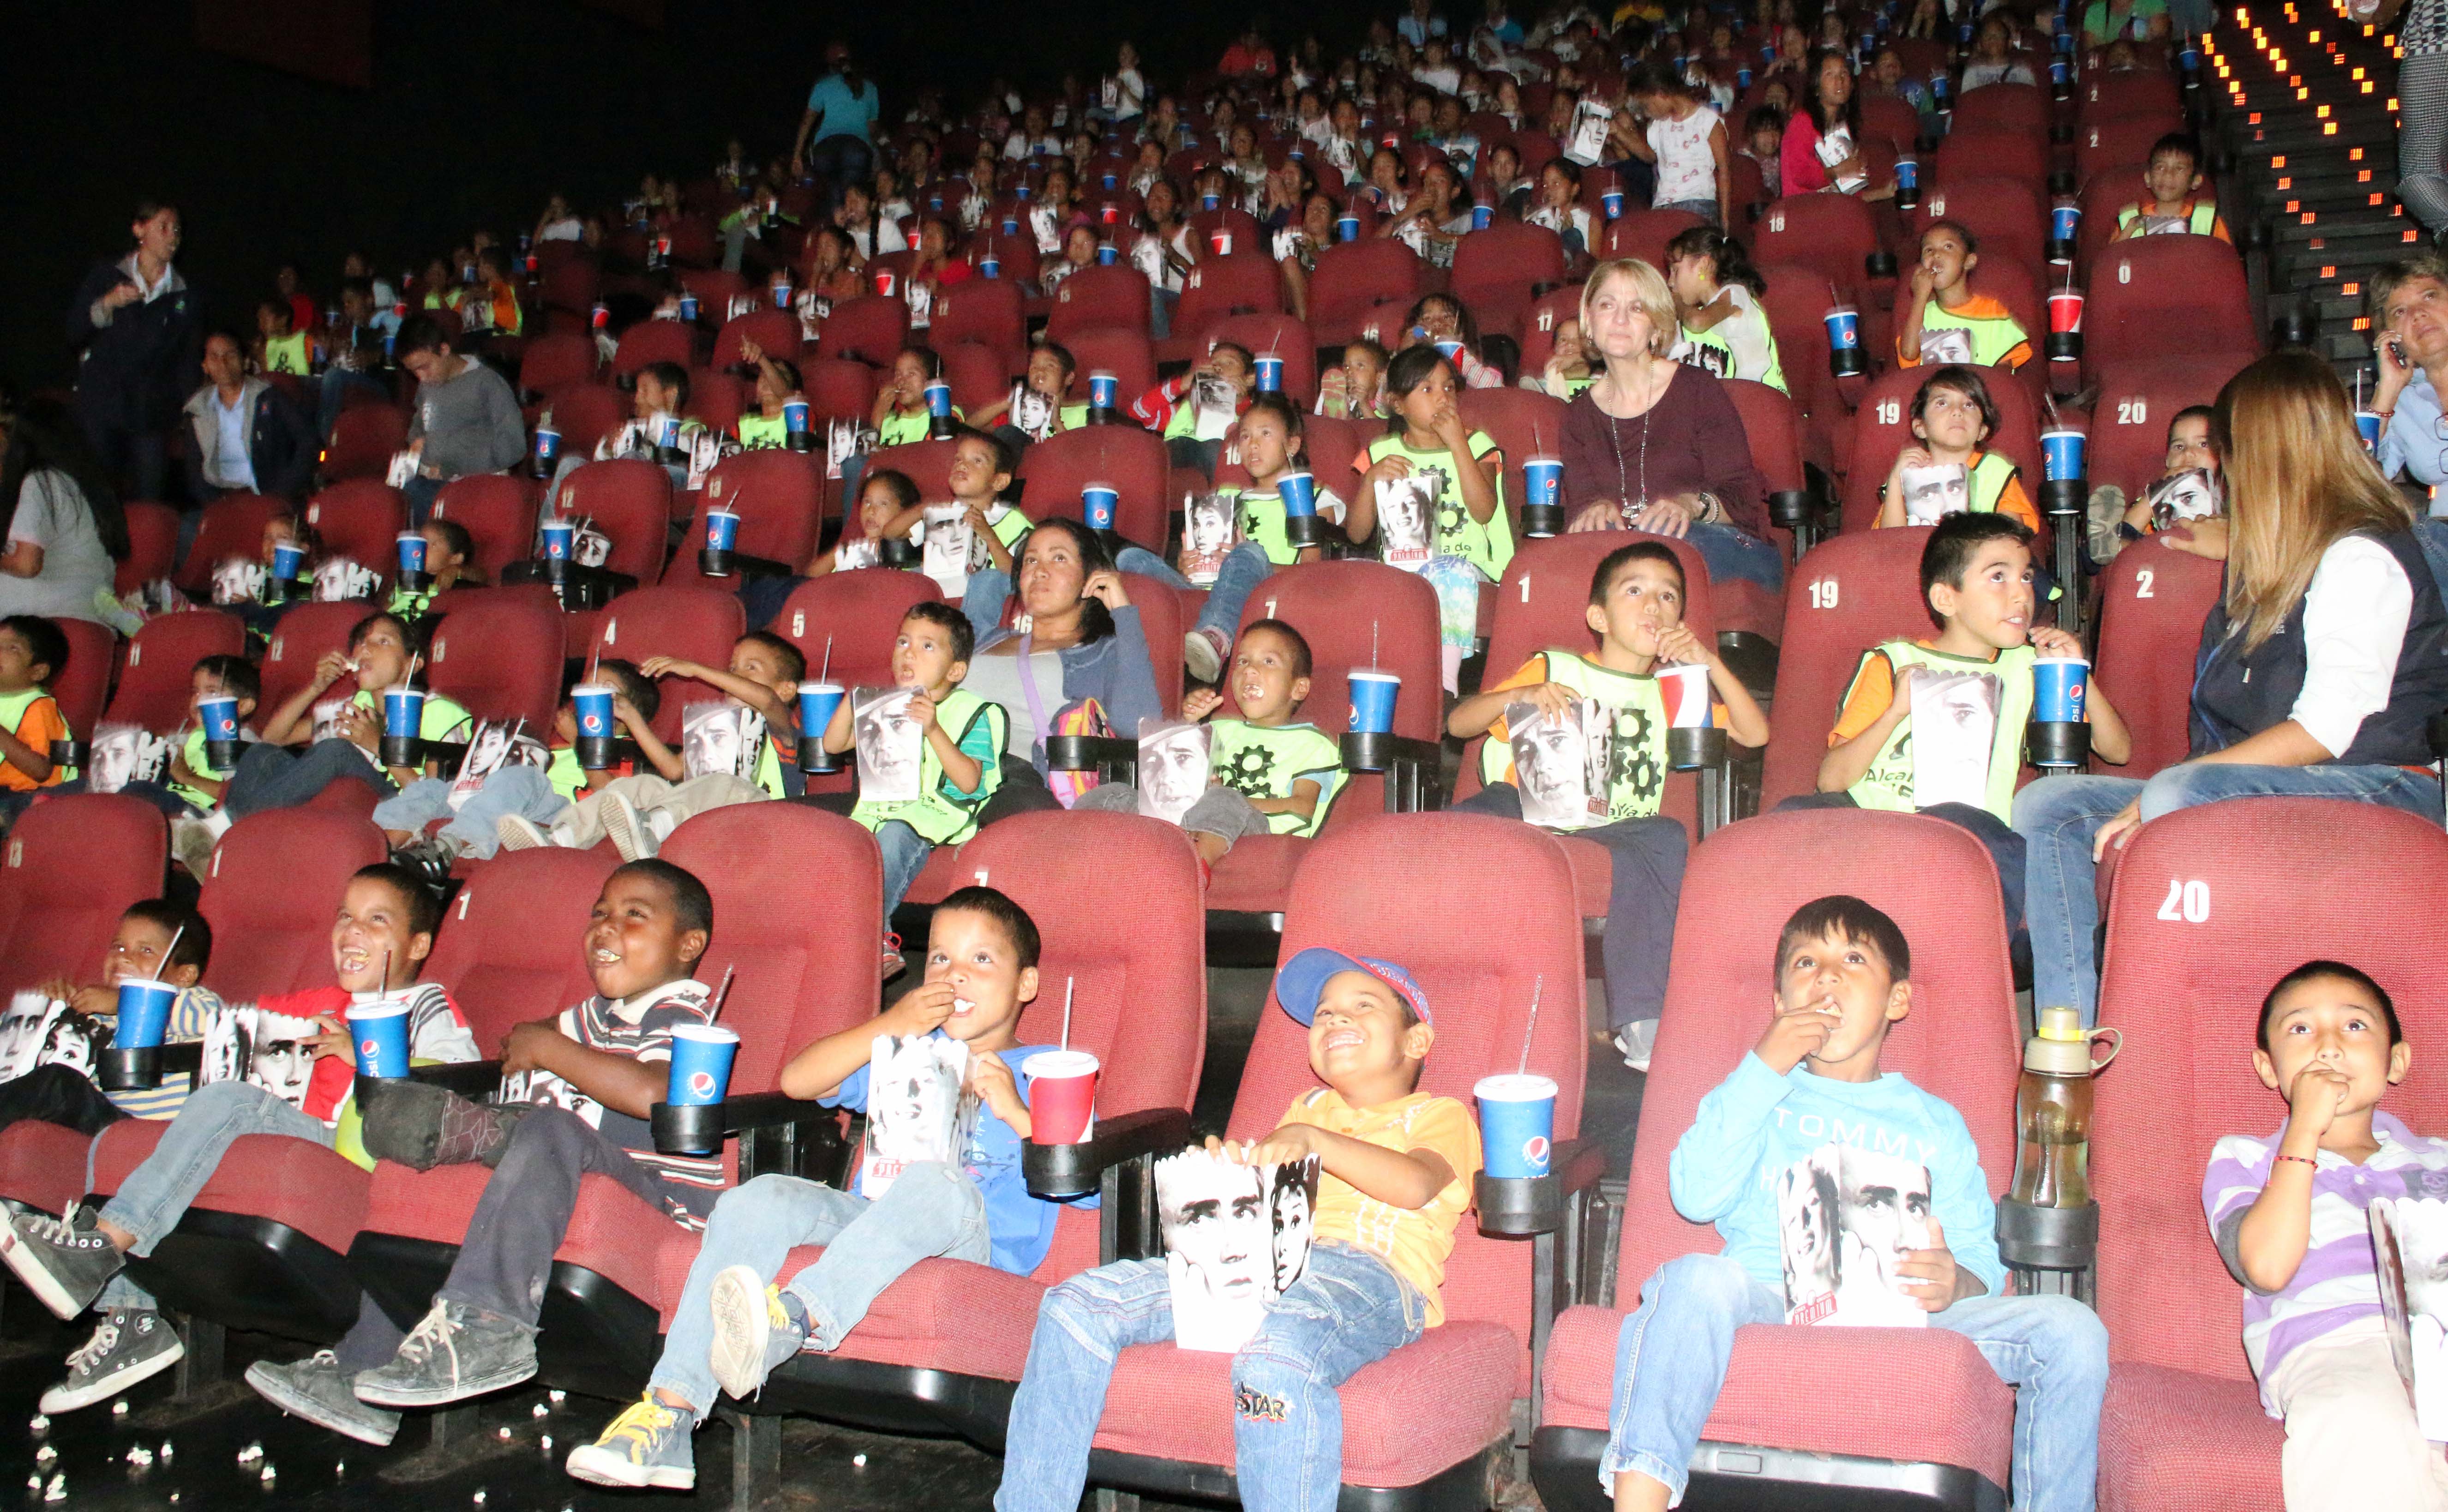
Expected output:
(64, 1265)
(128, 1345)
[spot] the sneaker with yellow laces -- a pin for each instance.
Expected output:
(647, 1445)
(756, 1327)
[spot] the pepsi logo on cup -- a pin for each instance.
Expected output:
(700, 1083)
(1536, 1150)
(592, 724)
(367, 1050)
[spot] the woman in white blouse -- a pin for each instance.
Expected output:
(2322, 666)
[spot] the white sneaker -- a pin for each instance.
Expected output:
(627, 828)
(519, 832)
(191, 844)
(1203, 653)
(1636, 1040)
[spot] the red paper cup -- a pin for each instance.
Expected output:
(1686, 692)
(1062, 1095)
(884, 282)
(2065, 311)
(1223, 241)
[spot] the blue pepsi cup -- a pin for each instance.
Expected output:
(557, 536)
(143, 1013)
(2063, 41)
(1346, 227)
(2062, 453)
(379, 1031)
(935, 201)
(721, 534)
(1271, 374)
(1542, 481)
(667, 432)
(1012, 225)
(1451, 350)
(1298, 491)
(2190, 59)
(1767, 53)
(1097, 502)
(217, 714)
(2059, 686)
(403, 712)
(1516, 1125)
(939, 399)
(1019, 191)
(1102, 390)
(1963, 33)
(688, 308)
(2059, 70)
(411, 545)
(1742, 77)
(1112, 181)
(287, 562)
(1611, 203)
(1373, 692)
(547, 446)
(591, 703)
(1209, 202)
(818, 702)
(701, 1056)
(795, 418)
(989, 266)
(1907, 173)
(2367, 426)
(1106, 253)
(1843, 329)
(1482, 216)
(2064, 220)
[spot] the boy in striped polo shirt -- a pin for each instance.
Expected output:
(2288, 1212)
(155, 938)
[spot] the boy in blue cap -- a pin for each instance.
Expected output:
(1396, 1167)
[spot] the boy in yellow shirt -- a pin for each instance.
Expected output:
(1941, 321)
(2176, 206)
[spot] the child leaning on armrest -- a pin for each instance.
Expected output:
(2289, 1212)
(735, 1326)
(1397, 1165)
(1843, 979)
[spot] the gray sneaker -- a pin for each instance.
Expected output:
(647, 1445)
(128, 1345)
(1203, 653)
(1636, 1040)
(519, 832)
(627, 828)
(316, 1390)
(65, 1266)
(753, 1332)
(191, 846)
(454, 1353)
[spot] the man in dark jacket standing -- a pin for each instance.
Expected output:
(244, 436)
(135, 329)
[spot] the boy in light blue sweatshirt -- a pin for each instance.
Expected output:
(1843, 975)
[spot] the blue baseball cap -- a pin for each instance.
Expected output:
(1304, 976)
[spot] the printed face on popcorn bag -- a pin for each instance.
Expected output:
(1945, 345)
(722, 737)
(949, 544)
(593, 548)
(1173, 767)
(339, 580)
(2192, 494)
(1935, 491)
(888, 743)
(1848, 1219)
(239, 581)
(918, 1107)
(402, 469)
(1402, 509)
(124, 754)
(1559, 763)
(24, 1025)
(327, 718)
(1032, 413)
(1954, 725)
(1235, 1236)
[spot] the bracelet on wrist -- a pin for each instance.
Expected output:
(2301, 1160)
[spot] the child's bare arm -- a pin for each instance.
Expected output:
(754, 694)
(1402, 1178)
(659, 755)
(1303, 801)
(821, 1068)
(1845, 763)
(16, 752)
(619, 1082)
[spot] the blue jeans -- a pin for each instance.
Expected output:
(1244, 566)
(279, 777)
(157, 1192)
(905, 853)
(1670, 1359)
(841, 160)
(521, 789)
(933, 1210)
(1734, 552)
(1348, 1309)
(2057, 818)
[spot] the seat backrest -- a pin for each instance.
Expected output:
(1829, 234)
(716, 399)
(231, 525)
(299, 639)
(1773, 427)
(1796, 302)
(929, 463)
(2106, 96)
(1890, 119)
(2138, 400)
(1850, 593)
(1273, 335)
(1245, 281)
(2141, 290)
(2017, 109)
(1352, 276)
(979, 374)
(1480, 910)
(839, 389)
(1523, 423)
(2003, 215)
(651, 341)
(630, 501)
(1882, 426)
(363, 438)
(1546, 315)
(1055, 470)
(869, 328)
(1644, 234)
(69, 868)
(1349, 611)
(498, 511)
(270, 895)
(1965, 153)
(1495, 270)
(586, 414)
(1961, 1042)
(548, 362)
(779, 496)
(2212, 906)
(776, 332)
(81, 687)
(2105, 142)
(361, 520)
(681, 621)
(1113, 296)
(510, 948)
(2152, 603)
(986, 311)
(500, 658)
(1124, 354)
(152, 545)
(162, 660)
(772, 868)
(848, 620)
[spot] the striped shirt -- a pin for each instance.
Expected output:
(2335, 1284)
(188, 1013)
(640, 1028)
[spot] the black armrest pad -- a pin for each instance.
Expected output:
(1521, 1206)
(1076, 1170)
(769, 1110)
(183, 1058)
(1085, 753)
(470, 1078)
(1364, 752)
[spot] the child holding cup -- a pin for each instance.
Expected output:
(155, 964)
(734, 1324)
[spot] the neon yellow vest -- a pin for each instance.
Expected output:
(1455, 533)
(1714, 337)
(2200, 223)
(1993, 337)
(1257, 761)
(1889, 783)
(1262, 521)
(1637, 763)
(761, 431)
(287, 355)
(193, 754)
(942, 813)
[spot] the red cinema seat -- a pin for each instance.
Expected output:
(1427, 890)
(42, 1165)
(2210, 910)
(298, 641)
(927, 463)
(1124, 354)
(2152, 601)
(361, 520)
(1115, 901)
(71, 867)
(2106, 96)
(1164, 618)
(717, 397)
(1797, 302)
(570, 283)
(1950, 1438)
(839, 389)
(775, 332)
(2137, 402)
(771, 867)
(270, 893)
(2105, 142)
(986, 311)
(1773, 425)
(1547, 315)
(509, 949)
(2018, 109)
(83, 686)
(498, 510)
(1352, 276)
(1644, 234)
(1524, 424)
(154, 685)
(1851, 592)
(1055, 470)
(779, 497)
(1497, 272)
(682, 621)
(1830, 234)
(1882, 426)
(584, 413)
(2004, 215)
(871, 328)
(231, 525)
(152, 545)
(1099, 298)
(1268, 335)
(651, 341)
(629, 500)
(1381, 322)
(2140, 292)
(552, 362)
(363, 439)
(1240, 229)
(1964, 154)
(844, 623)
(500, 658)
(980, 375)
(1891, 120)
(1247, 283)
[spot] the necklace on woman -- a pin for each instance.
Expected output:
(1628, 505)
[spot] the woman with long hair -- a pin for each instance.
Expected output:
(2320, 669)
(60, 516)
(1830, 104)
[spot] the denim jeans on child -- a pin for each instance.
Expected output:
(1347, 1311)
(2005, 846)
(933, 1210)
(1670, 1359)
(904, 855)
(275, 777)
(2057, 818)
(1244, 566)
(515, 790)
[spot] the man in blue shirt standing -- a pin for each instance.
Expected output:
(836, 130)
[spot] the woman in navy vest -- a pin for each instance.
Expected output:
(2316, 673)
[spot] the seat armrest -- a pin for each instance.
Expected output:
(1523, 1206)
(1056, 1172)
(1108, 756)
(470, 1078)
(1414, 768)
